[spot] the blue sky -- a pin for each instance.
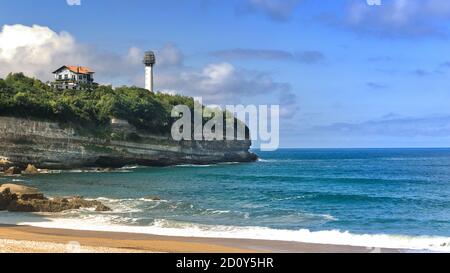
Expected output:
(344, 73)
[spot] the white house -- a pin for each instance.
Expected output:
(73, 77)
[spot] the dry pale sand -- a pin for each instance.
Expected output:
(21, 239)
(18, 246)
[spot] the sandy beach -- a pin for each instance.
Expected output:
(26, 239)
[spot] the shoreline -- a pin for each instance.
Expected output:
(30, 239)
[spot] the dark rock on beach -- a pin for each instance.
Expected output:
(31, 169)
(18, 198)
(12, 171)
(153, 198)
(6, 197)
(23, 192)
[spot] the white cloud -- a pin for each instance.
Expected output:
(279, 10)
(37, 51)
(305, 57)
(220, 82)
(32, 50)
(216, 74)
(394, 125)
(223, 83)
(400, 18)
(170, 55)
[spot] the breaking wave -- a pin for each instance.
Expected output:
(176, 228)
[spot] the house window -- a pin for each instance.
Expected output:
(66, 76)
(80, 77)
(60, 77)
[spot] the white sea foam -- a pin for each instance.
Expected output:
(192, 165)
(18, 180)
(132, 167)
(265, 160)
(212, 211)
(94, 170)
(128, 205)
(229, 163)
(113, 223)
(112, 200)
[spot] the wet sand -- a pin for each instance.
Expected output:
(28, 239)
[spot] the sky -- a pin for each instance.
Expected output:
(345, 74)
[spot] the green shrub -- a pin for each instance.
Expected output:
(89, 110)
(22, 96)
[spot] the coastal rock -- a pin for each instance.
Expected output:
(6, 197)
(20, 206)
(47, 145)
(19, 189)
(55, 205)
(31, 169)
(60, 200)
(4, 163)
(18, 198)
(153, 198)
(83, 203)
(23, 192)
(12, 171)
(46, 205)
(101, 208)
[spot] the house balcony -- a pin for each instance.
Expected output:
(65, 80)
(60, 81)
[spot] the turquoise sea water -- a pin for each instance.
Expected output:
(371, 197)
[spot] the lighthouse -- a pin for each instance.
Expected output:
(149, 61)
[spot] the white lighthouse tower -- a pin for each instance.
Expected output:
(149, 61)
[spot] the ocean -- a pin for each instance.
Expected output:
(396, 198)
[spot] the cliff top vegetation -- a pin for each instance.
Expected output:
(22, 96)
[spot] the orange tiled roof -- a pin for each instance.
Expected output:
(77, 69)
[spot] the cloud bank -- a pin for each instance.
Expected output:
(38, 50)
(306, 57)
(278, 10)
(399, 18)
(426, 126)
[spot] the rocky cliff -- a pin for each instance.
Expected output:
(47, 145)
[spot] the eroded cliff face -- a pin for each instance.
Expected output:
(47, 145)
